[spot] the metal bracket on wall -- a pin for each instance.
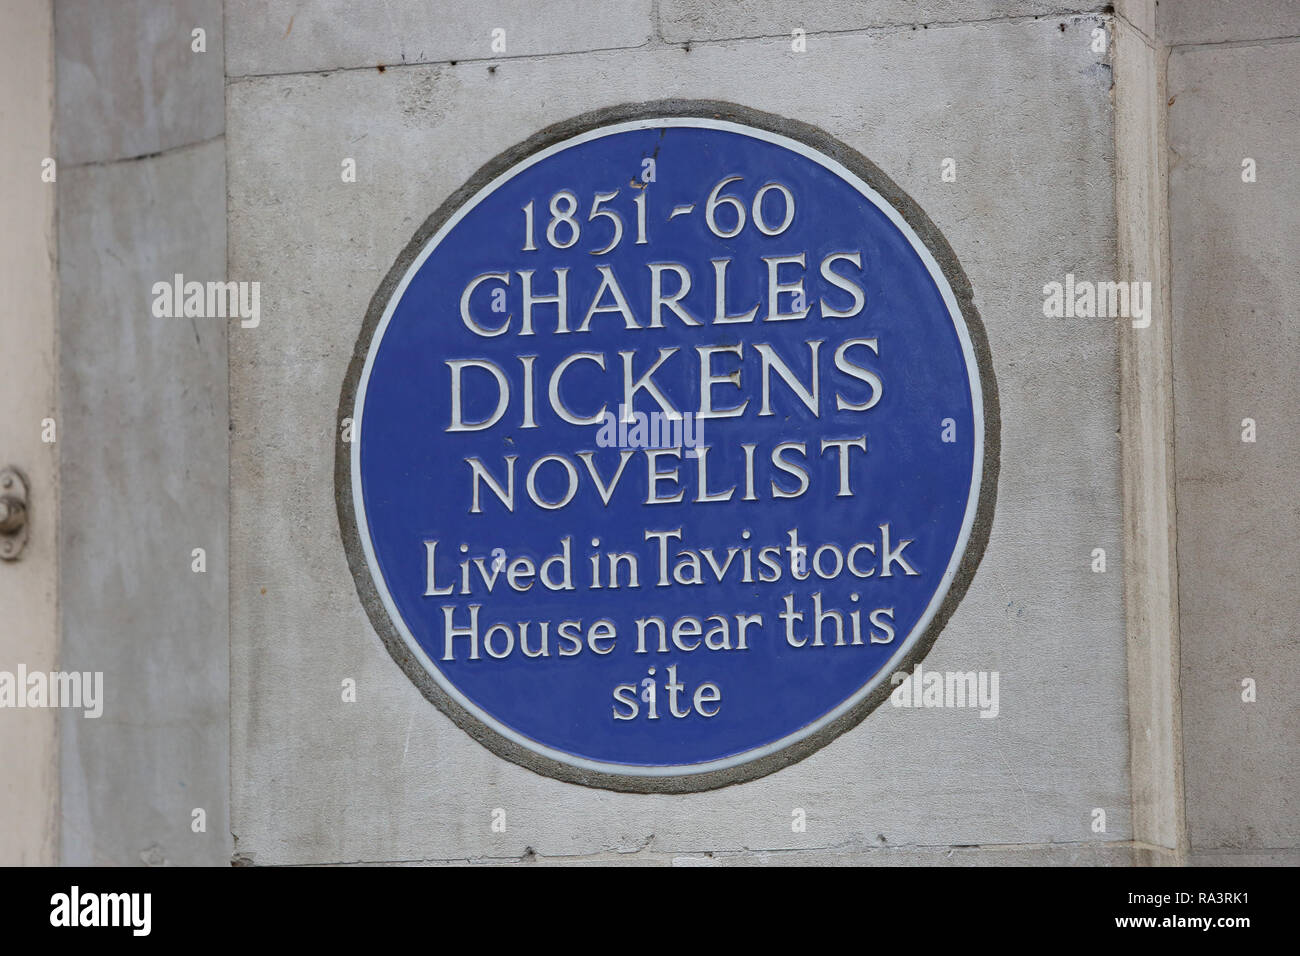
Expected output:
(13, 513)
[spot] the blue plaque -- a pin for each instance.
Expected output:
(674, 435)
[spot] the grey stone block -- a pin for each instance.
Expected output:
(142, 444)
(1235, 342)
(129, 82)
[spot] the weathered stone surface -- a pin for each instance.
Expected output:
(142, 444)
(1235, 345)
(1218, 21)
(1024, 109)
(129, 81)
(292, 36)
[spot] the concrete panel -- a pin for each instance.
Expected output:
(291, 36)
(388, 777)
(144, 472)
(130, 83)
(1235, 345)
(685, 20)
(1216, 21)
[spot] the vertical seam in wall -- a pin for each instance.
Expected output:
(56, 490)
(1151, 585)
(1171, 471)
(230, 618)
(1162, 79)
(1119, 75)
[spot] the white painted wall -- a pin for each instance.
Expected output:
(29, 789)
